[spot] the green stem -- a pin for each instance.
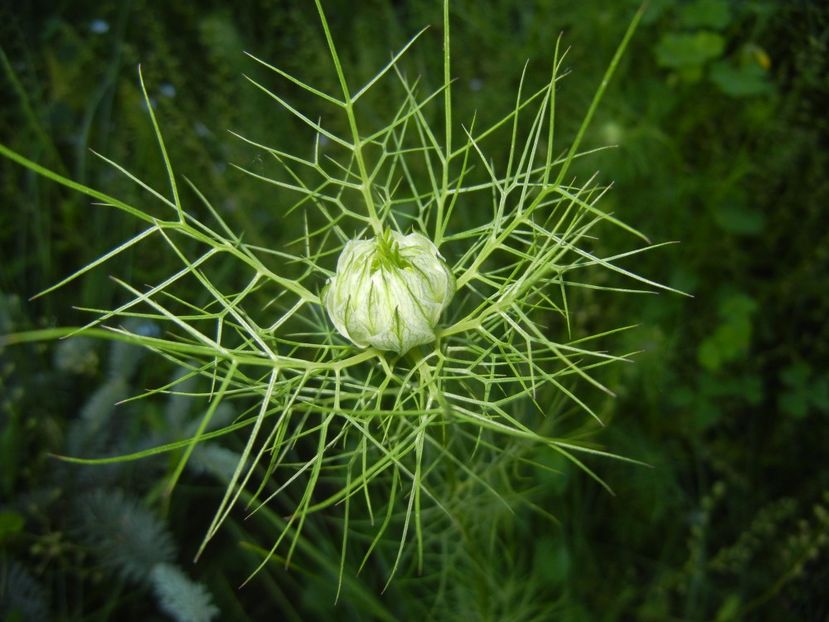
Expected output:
(365, 186)
(440, 225)
(611, 69)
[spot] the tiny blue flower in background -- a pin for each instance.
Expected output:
(99, 26)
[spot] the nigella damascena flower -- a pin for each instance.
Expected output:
(389, 292)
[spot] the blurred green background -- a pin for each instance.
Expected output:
(719, 114)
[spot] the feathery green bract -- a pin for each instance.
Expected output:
(183, 599)
(21, 596)
(124, 535)
(378, 430)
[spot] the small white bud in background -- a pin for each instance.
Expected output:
(389, 292)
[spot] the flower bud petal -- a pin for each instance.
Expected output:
(389, 293)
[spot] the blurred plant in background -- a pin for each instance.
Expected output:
(717, 113)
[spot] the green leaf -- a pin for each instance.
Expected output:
(740, 220)
(705, 14)
(732, 338)
(11, 523)
(679, 50)
(551, 560)
(796, 375)
(708, 355)
(803, 391)
(706, 414)
(820, 395)
(746, 80)
(794, 403)
(752, 389)
(729, 609)
(737, 306)
(653, 9)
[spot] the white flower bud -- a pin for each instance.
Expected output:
(389, 292)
